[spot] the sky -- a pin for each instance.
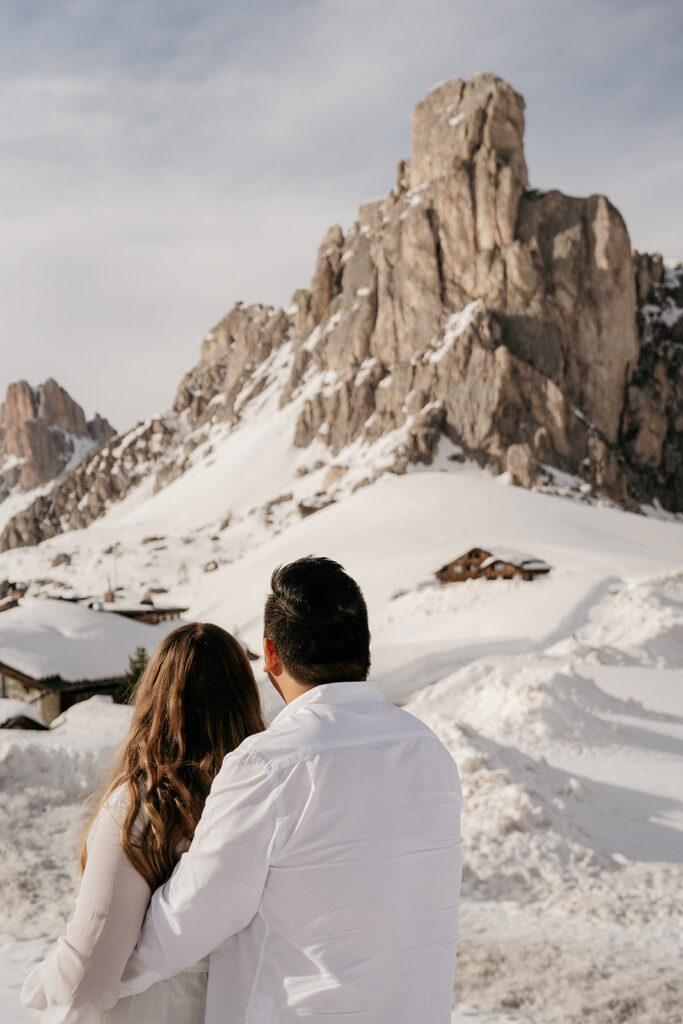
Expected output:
(162, 159)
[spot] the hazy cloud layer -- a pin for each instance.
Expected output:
(162, 159)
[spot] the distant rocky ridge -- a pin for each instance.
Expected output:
(518, 323)
(42, 430)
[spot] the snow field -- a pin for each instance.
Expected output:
(570, 759)
(560, 700)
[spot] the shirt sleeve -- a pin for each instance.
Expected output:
(81, 974)
(216, 887)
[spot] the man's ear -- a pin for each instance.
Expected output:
(272, 663)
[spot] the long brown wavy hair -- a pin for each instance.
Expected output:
(194, 703)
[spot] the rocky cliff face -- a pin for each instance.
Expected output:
(516, 322)
(42, 430)
(652, 426)
(508, 315)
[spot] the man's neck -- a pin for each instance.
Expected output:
(288, 688)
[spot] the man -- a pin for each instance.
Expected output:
(324, 875)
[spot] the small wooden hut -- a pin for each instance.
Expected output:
(51, 694)
(479, 563)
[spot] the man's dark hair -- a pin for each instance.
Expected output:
(317, 621)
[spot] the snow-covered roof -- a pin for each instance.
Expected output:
(44, 637)
(11, 708)
(121, 608)
(514, 558)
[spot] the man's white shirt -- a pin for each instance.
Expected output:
(324, 875)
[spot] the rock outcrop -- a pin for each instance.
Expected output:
(652, 424)
(231, 353)
(517, 322)
(511, 311)
(42, 430)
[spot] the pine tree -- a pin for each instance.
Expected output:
(137, 663)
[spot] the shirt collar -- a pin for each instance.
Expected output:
(332, 693)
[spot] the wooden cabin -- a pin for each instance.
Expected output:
(149, 613)
(55, 653)
(479, 563)
(146, 612)
(52, 695)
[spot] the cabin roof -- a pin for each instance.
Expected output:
(514, 558)
(132, 609)
(44, 639)
(11, 707)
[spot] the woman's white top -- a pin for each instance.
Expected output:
(81, 974)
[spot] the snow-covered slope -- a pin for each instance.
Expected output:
(212, 536)
(560, 698)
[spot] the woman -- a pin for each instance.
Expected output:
(196, 701)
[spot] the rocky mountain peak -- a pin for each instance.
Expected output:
(56, 406)
(20, 405)
(41, 430)
(538, 286)
(474, 130)
(468, 304)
